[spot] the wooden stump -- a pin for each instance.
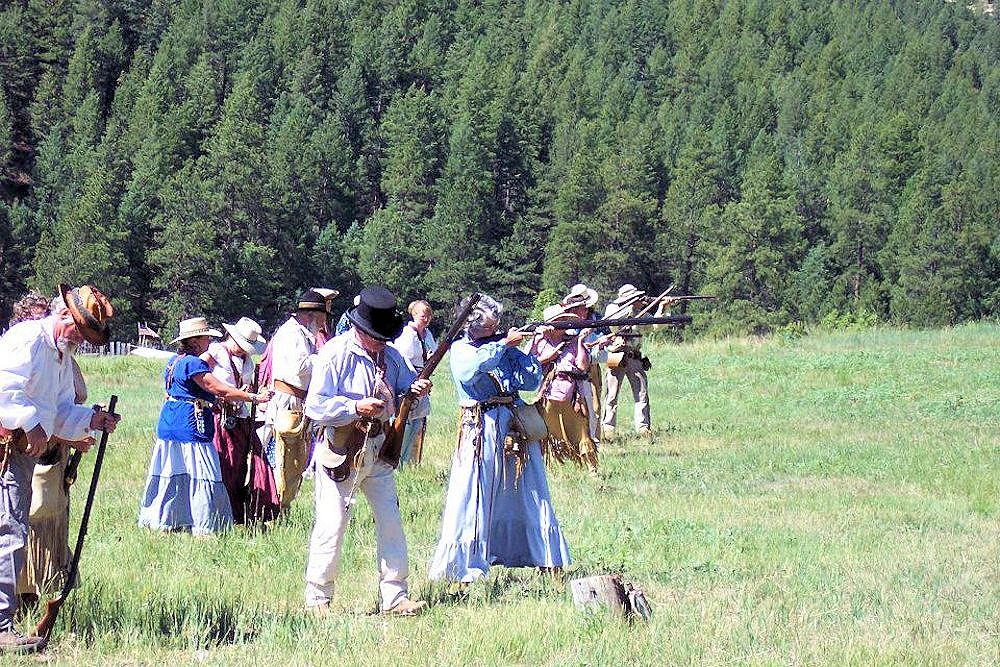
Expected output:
(608, 592)
(590, 594)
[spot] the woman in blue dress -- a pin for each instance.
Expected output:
(184, 489)
(498, 510)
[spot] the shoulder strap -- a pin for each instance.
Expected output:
(170, 372)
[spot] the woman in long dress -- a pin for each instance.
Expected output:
(498, 510)
(236, 440)
(184, 489)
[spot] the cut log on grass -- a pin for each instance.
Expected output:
(607, 592)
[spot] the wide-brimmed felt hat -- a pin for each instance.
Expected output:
(195, 326)
(91, 311)
(376, 314)
(628, 292)
(313, 300)
(247, 334)
(579, 295)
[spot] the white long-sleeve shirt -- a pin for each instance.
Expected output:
(293, 350)
(345, 374)
(223, 370)
(409, 346)
(36, 383)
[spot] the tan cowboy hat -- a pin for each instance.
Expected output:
(91, 311)
(627, 292)
(580, 295)
(247, 334)
(195, 326)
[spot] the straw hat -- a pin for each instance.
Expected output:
(556, 313)
(91, 311)
(627, 292)
(313, 300)
(247, 334)
(326, 292)
(195, 326)
(580, 295)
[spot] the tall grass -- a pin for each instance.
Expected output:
(827, 500)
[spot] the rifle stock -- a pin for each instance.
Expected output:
(48, 621)
(393, 445)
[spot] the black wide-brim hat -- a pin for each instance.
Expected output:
(376, 314)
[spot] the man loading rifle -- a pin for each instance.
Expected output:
(356, 385)
(626, 361)
(37, 406)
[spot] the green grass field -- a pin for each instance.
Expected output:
(830, 500)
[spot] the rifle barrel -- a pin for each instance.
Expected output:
(675, 320)
(48, 621)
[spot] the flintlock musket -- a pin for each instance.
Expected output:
(392, 446)
(48, 621)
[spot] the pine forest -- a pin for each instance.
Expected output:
(799, 159)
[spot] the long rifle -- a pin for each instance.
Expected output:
(73, 466)
(393, 445)
(625, 331)
(625, 307)
(48, 621)
(675, 320)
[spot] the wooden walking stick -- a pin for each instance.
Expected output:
(48, 621)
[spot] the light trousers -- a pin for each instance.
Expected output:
(334, 506)
(632, 370)
(15, 501)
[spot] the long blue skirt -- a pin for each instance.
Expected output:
(184, 489)
(489, 517)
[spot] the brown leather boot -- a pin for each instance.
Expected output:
(12, 641)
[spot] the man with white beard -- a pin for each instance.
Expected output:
(286, 432)
(37, 404)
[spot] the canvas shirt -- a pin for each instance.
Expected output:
(344, 374)
(177, 421)
(36, 383)
(409, 346)
(224, 371)
(572, 358)
(293, 351)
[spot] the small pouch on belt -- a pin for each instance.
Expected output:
(11, 441)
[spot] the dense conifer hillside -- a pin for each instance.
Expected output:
(794, 157)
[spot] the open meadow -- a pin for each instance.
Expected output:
(830, 500)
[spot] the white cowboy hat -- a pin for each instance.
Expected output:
(580, 295)
(627, 292)
(551, 311)
(556, 313)
(195, 326)
(246, 333)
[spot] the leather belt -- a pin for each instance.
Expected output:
(569, 375)
(286, 388)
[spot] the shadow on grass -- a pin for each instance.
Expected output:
(192, 619)
(503, 586)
